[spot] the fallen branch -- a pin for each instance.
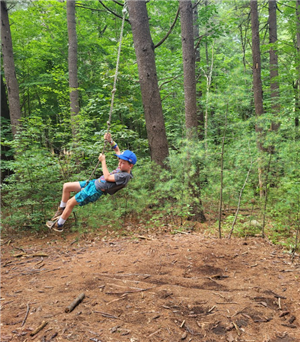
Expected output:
(289, 325)
(116, 300)
(155, 332)
(27, 312)
(30, 255)
(38, 329)
(129, 291)
(107, 315)
(77, 301)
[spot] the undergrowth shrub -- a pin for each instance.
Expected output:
(27, 192)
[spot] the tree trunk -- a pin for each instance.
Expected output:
(9, 71)
(274, 63)
(200, 113)
(189, 75)
(144, 49)
(257, 84)
(191, 120)
(72, 61)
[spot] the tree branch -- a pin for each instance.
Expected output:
(199, 41)
(170, 30)
(197, 3)
(118, 3)
(112, 12)
(280, 3)
(169, 80)
(89, 8)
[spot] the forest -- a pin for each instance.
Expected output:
(206, 93)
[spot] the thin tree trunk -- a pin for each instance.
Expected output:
(188, 56)
(274, 64)
(9, 71)
(196, 33)
(191, 119)
(257, 85)
(208, 84)
(72, 60)
(144, 49)
(221, 183)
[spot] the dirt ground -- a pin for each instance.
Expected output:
(166, 287)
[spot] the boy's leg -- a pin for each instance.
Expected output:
(66, 194)
(68, 188)
(58, 226)
(69, 208)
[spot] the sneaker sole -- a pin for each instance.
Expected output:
(59, 230)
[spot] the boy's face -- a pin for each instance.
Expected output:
(124, 165)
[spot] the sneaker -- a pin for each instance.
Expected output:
(55, 226)
(58, 213)
(50, 224)
(58, 227)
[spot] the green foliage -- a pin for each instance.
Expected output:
(26, 194)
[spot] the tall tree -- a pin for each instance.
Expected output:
(189, 75)
(257, 83)
(256, 58)
(72, 61)
(197, 38)
(273, 62)
(144, 49)
(9, 70)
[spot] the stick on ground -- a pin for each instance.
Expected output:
(38, 329)
(77, 301)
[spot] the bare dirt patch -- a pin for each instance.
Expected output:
(183, 287)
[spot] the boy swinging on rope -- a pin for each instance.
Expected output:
(108, 183)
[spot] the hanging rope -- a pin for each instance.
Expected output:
(124, 12)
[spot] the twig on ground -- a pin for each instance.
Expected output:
(77, 301)
(27, 312)
(39, 328)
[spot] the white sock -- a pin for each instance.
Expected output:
(61, 221)
(62, 204)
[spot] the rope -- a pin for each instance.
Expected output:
(124, 12)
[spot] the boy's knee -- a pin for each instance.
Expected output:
(72, 202)
(65, 186)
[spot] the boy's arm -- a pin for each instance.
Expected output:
(107, 176)
(112, 143)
